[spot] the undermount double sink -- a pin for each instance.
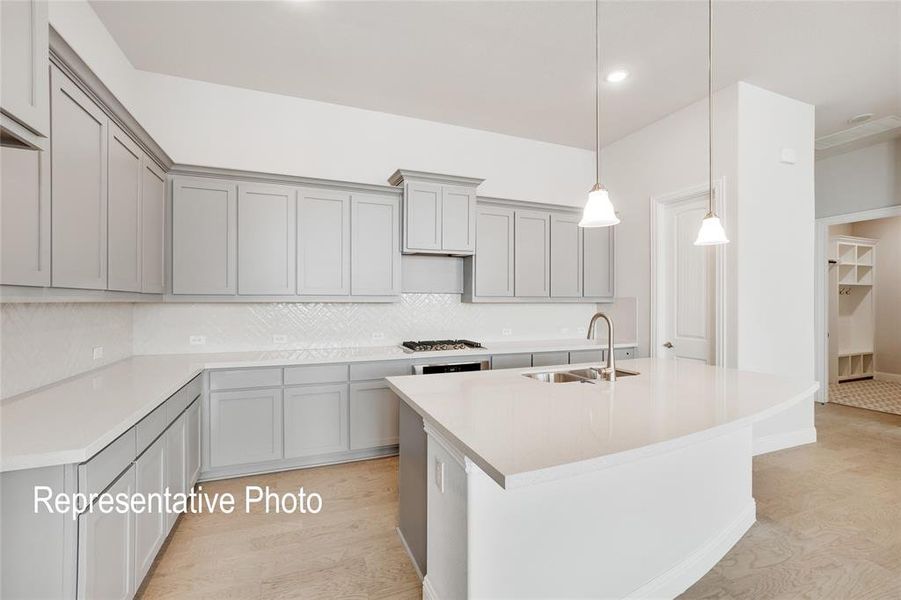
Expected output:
(589, 375)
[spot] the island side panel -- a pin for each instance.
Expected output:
(648, 528)
(411, 484)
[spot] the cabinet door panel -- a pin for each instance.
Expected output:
(598, 263)
(204, 236)
(25, 216)
(458, 215)
(176, 463)
(422, 216)
(566, 256)
(192, 444)
(315, 420)
(124, 225)
(373, 415)
(78, 188)
(532, 262)
(494, 252)
(375, 266)
(266, 238)
(153, 226)
(106, 548)
(24, 55)
(323, 243)
(150, 525)
(245, 427)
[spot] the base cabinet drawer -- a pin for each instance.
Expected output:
(373, 415)
(511, 361)
(315, 420)
(586, 356)
(624, 353)
(547, 359)
(106, 548)
(245, 427)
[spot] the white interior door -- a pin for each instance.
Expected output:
(685, 283)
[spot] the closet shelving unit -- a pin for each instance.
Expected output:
(855, 301)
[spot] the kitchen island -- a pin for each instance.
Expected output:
(634, 488)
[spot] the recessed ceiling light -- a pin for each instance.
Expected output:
(861, 118)
(617, 76)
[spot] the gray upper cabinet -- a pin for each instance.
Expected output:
(124, 226)
(25, 216)
(422, 217)
(566, 256)
(266, 239)
(375, 245)
(439, 215)
(24, 52)
(79, 187)
(204, 236)
(153, 226)
(493, 268)
(532, 254)
(323, 243)
(598, 263)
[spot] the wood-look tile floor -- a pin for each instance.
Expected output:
(828, 528)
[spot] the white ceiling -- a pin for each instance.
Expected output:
(525, 68)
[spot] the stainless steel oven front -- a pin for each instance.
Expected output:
(455, 367)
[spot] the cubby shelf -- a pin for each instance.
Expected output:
(854, 310)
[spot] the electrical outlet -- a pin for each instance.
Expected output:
(378, 336)
(98, 352)
(581, 331)
(564, 330)
(439, 475)
(197, 340)
(279, 338)
(506, 331)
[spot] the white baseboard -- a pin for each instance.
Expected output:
(428, 592)
(406, 546)
(893, 377)
(781, 441)
(678, 579)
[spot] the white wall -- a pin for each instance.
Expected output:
(862, 179)
(214, 125)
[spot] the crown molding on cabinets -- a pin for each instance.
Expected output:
(527, 205)
(64, 57)
(25, 294)
(400, 175)
(292, 180)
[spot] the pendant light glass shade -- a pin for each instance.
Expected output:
(711, 232)
(598, 210)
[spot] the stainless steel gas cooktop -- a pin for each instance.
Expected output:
(437, 345)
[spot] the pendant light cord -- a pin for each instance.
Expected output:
(597, 92)
(711, 211)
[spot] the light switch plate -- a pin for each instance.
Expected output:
(789, 156)
(506, 331)
(197, 340)
(378, 336)
(439, 475)
(98, 352)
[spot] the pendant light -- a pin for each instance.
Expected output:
(598, 210)
(711, 232)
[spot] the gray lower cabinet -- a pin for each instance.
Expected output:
(566, 256)
(375, 245)
(548, 359)
(315, 418)
(24, 215)
(598, 263)
(493, 263)
(150, 526)
(266, 239)
(79, 187)
(153, 226)
(323, 242)
(531, 265)
(176, 438)
(24, 55)
(245, 427)
(204, 236)
(192, 444)
(373, 415)
(106, 548)
(125, 173)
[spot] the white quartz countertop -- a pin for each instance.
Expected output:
(70, 421)
(521, 431)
